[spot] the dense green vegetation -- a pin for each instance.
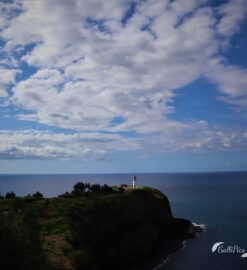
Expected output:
(93, 227)
(20, 244)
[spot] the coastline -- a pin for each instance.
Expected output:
(168, 250)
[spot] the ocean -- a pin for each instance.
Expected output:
(216, 200)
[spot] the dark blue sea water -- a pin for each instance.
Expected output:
(217, 200)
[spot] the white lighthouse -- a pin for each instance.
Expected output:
(134, 181)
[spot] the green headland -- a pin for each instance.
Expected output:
(91, 228)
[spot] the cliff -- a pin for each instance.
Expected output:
(123, 229)
(114, 229)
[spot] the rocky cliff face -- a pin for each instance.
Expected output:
(118, 230)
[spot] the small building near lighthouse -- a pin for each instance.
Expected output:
(134, 181)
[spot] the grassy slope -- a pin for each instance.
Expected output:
(53, 223)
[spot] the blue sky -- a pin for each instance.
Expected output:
(151, 86)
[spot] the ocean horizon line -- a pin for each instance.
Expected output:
(127, 173)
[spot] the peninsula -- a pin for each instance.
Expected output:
(93, 227)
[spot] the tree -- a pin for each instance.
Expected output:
(38, 195)
(10, 195)
(95, 187)
(106, 188)
(79, 188)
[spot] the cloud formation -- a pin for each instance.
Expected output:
(29, 144)
(100, 61)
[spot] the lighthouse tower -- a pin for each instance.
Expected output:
(134, 181)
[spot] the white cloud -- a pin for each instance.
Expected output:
(233, 13)
(93, 68)
(3, 92)
(7, 10)
(111, 78)
(7, 76)
(231, 81)
(28, 144)
(194, 136)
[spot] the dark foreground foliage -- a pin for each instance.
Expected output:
(20, 245)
